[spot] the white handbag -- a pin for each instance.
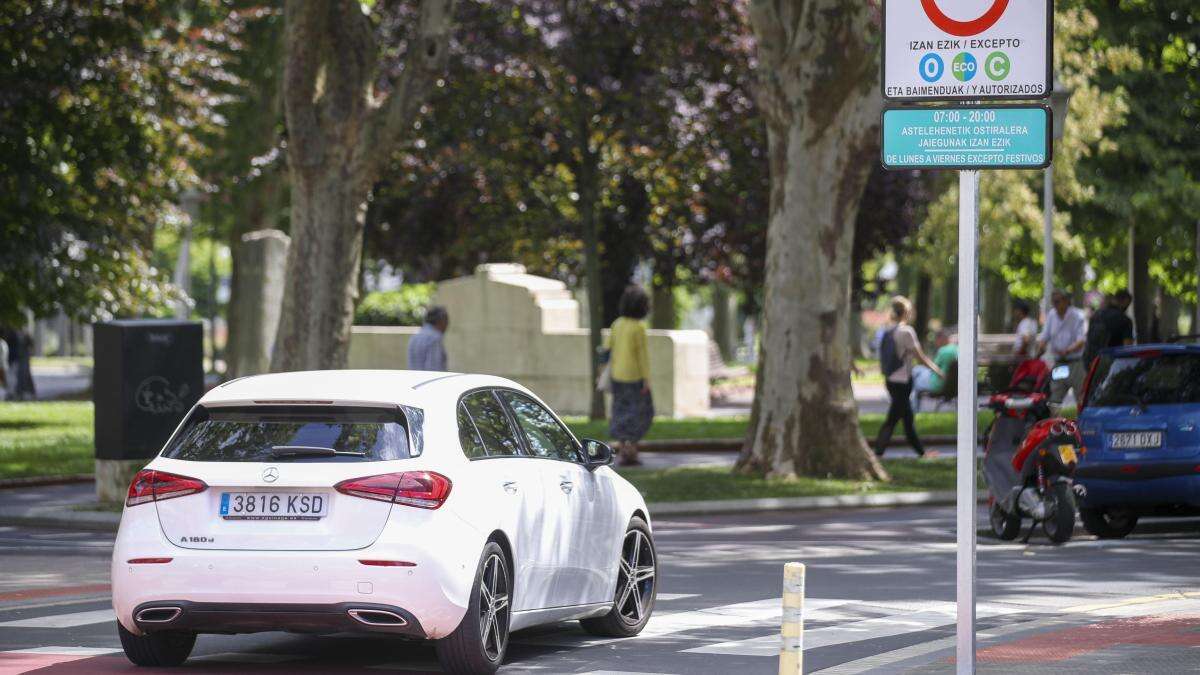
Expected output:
(604, 379)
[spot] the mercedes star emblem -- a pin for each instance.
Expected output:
(270, 474)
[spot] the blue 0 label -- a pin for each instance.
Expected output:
(931, 67)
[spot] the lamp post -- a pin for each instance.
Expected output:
(1059, 99)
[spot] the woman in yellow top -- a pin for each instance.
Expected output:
(629, 367)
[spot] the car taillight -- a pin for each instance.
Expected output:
(422, 489)
(152, 486)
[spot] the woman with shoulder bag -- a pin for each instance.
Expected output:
(629, 376)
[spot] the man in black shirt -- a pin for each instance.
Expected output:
(1110, 325)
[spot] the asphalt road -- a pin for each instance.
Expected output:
(880, 596)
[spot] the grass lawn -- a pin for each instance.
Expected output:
(60, 361)
(868, 372)
(45, 439)
(703, 483)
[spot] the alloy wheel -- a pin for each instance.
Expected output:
(635, 584)
(494, 607)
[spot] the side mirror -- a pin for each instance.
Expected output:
(596, 453)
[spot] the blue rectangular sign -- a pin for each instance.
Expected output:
(967, 137)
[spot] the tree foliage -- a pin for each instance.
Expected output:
(1150, 174)
(1010, 210)
(102, 106)
(657, 90)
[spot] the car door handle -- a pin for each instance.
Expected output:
(566, 486)
(510, 486)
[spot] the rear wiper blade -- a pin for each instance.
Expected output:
(311, 451)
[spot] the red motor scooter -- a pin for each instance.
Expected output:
(1030, 458)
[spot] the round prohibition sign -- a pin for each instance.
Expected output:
(964, 28)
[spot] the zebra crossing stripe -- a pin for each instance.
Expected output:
(904, 619)
(71, 620)
(65, 651)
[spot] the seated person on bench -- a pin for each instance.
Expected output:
(925, 381)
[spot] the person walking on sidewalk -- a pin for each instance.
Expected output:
(629, 368)
(1063, 338)
(897, 351)
(427, 349)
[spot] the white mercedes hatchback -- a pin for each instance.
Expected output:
(428, 506)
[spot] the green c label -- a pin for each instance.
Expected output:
(997, 66)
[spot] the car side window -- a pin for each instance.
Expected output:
(544, 435)
(468, 435)
(490, 419)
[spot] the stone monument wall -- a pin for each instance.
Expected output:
(506, 322)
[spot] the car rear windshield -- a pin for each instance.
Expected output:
(291, 434)
(1146, 379)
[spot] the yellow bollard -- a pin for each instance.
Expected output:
(791, 648)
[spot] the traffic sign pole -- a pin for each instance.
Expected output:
(943, 51)
(968, 302)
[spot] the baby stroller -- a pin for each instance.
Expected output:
(1029, 458)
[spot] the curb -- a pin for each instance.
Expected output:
(722, 506)
(735, 444)
(68, 517)
(38, 481)
(61, 517)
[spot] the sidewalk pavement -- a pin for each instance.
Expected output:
(871, 398)
(1153, 634)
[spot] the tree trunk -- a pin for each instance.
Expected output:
(950, 299)
(724, 313)
(817, 70)
(924, 302)
(995, 301)
(340, 133)
(1143, 290)
(259, 206)
(322, 271)
(662, 306)
(1195, 327)
(904, 279)
(1072, 271)
(1168, 315)
(856, 331)
(588, 186)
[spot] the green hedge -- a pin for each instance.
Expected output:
(402, 307)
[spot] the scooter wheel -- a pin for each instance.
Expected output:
(1060, 524)
(1005, 525)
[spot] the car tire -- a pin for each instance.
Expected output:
(1006, 526)
(478, 645)
(157, 650)
(1106, 526)
(633, 601)
(1060, 525)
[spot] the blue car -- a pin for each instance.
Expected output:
(1140, 423)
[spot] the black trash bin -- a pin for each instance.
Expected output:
(147, 374)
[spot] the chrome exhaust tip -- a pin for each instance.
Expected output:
(158, 615)
(377, 617)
